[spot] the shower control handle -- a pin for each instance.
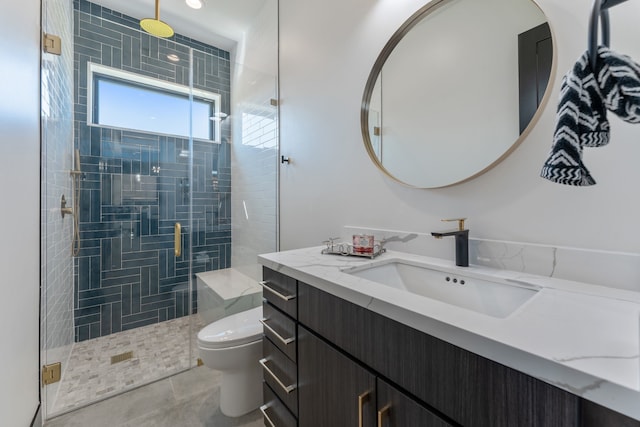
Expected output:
(64, 210)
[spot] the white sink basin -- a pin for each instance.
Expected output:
(487, 296)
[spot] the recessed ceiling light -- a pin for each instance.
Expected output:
(195, 4)
(173, 57)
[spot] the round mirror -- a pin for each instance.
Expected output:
(455, 88)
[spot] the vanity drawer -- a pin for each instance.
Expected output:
(281, 374)
(275, 412)
(280, 329)
(281, 291)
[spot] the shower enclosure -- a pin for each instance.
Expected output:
(162, 130)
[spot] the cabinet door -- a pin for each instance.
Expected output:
(333, 389)
(396, 409)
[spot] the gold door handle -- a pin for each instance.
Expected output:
(177, 239)
(361, 400)
(381, 414)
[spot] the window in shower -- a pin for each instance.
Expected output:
(125, 100)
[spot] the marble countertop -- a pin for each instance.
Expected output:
(579, 337)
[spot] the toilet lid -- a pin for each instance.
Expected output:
(237, 329)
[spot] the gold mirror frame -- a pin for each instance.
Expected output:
(395, 39)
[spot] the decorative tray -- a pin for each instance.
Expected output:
(347, 249)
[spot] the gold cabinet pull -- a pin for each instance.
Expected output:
(361, 400)
(177, 239)
(381, 414)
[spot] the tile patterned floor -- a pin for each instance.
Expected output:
(189, 399)
(158, 350)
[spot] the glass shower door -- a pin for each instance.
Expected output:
(159, 138)
(57, 275)
(117, 313)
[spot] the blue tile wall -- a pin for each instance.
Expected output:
(136, 186)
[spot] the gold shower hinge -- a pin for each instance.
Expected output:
(51, 373)
(52, 44)
(274, 102)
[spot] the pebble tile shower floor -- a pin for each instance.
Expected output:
(158, 350)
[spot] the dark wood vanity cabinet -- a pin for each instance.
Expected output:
(337, 391)
(355, 367)
(466, 388)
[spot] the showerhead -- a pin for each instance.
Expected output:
(155, 26)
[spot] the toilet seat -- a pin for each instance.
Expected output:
(231, 331)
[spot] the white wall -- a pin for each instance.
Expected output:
(327, 50)
(20, 177)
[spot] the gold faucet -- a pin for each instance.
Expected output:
(460, 222)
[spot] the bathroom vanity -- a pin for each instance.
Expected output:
(341, 349)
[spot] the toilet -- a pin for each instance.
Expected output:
(233, 345)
